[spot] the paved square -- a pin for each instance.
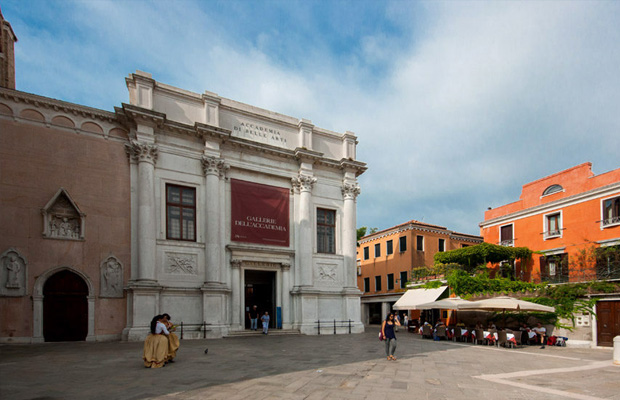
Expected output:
(307, 367)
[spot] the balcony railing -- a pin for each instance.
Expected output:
(507, 242)
(611, 221)
(552, 234)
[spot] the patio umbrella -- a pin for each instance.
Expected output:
(451, 303)
(503, 304)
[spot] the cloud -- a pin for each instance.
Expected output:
(456, 104)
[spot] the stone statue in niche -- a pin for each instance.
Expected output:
(63, 227)
(13, 274)
(111, 278)
(62, 219)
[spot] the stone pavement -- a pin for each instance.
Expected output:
(307, 367)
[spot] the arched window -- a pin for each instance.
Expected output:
(552, 189)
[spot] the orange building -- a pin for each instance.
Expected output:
(564, 217)
(385, 260)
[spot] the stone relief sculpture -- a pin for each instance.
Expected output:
(181, 264)
(62, 219)
(111, 277)
(13, 277)
(327, 274)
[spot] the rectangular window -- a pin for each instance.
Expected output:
(390, 282)
(419, 242)
(442, 244)
(180, 213)
(505, 235)
(366, 253)
(553, 225)
(554, 268)
(326, 231)
(377, 250)
(389, 247)
(403, 280)
(402, 244)
(366, 285)
(377, 283)
(611, 211)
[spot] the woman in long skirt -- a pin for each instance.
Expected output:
(156, 344)
(173, 339)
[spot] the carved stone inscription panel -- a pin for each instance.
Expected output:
(13, 275)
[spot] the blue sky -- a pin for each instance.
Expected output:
(456, 105)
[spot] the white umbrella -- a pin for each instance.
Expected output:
(451, 303)
(504, 303)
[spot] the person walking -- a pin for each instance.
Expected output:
(253, 315)
(265, 320)
(387, 329)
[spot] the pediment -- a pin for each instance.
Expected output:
(62, 218)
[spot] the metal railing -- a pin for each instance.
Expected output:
(202, 328)
(335, 324)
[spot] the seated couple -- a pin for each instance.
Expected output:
(161, 345)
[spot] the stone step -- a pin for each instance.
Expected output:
(272, 332)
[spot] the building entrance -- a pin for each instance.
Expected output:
(65, 308)
(608, 322)
(260, 291)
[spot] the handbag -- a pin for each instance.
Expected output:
(381, 337)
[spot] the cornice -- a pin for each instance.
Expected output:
(419, 228)
(144, 115)
(57, 105)
(560, 203)
(350, 164)
(301, 153)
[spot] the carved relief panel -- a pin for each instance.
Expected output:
(14, 274)
(327, 275)
(111, 277)
(181, 264)
(62, 219)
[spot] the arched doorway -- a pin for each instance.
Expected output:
(65, 307)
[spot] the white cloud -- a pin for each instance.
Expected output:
(456, 104)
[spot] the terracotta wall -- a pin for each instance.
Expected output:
(35, 162)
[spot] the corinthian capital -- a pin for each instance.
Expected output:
(141, 151)
(235, 263)
(213, 166)
(303, 183)
(350, 191)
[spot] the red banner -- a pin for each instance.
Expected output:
(259, 213)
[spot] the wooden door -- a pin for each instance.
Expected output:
(65, 308)
(608, 322)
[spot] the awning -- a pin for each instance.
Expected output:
(413, 297)
(450, 303)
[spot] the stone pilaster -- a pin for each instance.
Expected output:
(238, 317)
(286, 296)
(350, 191)
(145, 154)
(304, 183)
(213, 168)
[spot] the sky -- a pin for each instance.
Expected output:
(455, 104)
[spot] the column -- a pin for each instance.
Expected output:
(350, 191)
(146, 156)
(212, 167)
(305, 183)
(286, 296)
(237, 315)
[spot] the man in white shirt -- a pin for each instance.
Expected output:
(541, 331)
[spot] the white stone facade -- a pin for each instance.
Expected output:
(202, 142)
